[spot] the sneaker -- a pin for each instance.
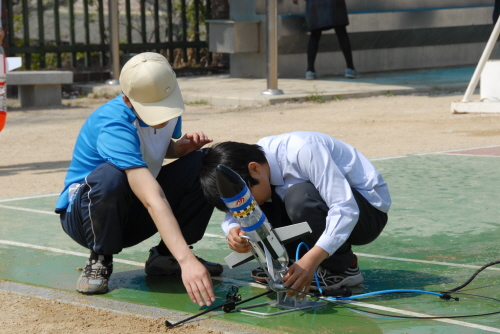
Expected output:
(327, 280)
(165, 265)
(334, 281)
(259, 275)
(95, 276)
(310, 75)
(352, 74)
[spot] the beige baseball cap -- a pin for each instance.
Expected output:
(149, 82)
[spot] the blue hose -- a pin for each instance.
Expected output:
(364, 294)
(297, 258)
(386, 291)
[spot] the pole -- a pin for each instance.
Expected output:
(482, 62)
(114, 43)
(272, 49)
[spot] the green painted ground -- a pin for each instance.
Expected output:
(445, 210)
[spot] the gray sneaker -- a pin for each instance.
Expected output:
(352, 74)
(310, 75)
(334, 281)
(165, 265)
(95, 276)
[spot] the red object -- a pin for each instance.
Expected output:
(3, 119)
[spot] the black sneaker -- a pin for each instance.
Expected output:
(259, 275)
(164, 265)
(95, 276)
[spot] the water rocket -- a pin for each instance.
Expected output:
(266, 242)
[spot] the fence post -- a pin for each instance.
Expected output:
(114, 43)
(272, 49)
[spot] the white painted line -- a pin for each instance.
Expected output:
(27, 197)
(133, 263)
(469, 155)
(389, 158)
(28, 210)
(240, 283)
(243, 283)
(415, 314)
(424, 261)
(214, 236)
(468, 149)
(211, 235)
(62, 251)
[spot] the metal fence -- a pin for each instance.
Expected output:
(75, 33)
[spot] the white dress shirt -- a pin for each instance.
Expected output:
(333, 167)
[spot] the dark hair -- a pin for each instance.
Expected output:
(234, 155)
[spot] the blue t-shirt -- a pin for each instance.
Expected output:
(108, 135)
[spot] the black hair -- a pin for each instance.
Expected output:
(234, 155)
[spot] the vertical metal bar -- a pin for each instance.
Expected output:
(102, 29)
(184, 29)
(129, 22)
(143, 21)
(57, 32)
(171, 56)
(26, 27)
(72, 31)
(272, 49)
(156, 15)
(197, 29)
(114, 42)
(208, 10)
(87, 30)
(41, 32)
(10, 23)
(482, 62)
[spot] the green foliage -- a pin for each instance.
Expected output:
(197, 103)
(315, 98)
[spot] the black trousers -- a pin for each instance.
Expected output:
(106, 216)
(303, 203)
(344, 43)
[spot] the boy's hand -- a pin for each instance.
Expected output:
(191, 142)
(198, 282)
(299, 277)
(300, 274)
(236, 243)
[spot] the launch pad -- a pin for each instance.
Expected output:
(283, 303)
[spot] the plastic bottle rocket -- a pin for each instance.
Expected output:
(266, 246)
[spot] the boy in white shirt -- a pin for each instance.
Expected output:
(313, 177)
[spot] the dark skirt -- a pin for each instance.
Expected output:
(325, 14)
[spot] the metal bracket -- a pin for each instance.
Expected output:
(285, 304)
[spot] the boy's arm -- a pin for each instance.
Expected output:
(195, 277)
(301, 273)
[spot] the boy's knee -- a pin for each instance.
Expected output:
(300, 199)
(108, 180)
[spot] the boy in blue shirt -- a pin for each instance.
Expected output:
(117, 193)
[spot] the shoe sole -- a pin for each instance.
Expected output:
(92, 293)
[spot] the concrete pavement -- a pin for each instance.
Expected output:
(224, 90)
